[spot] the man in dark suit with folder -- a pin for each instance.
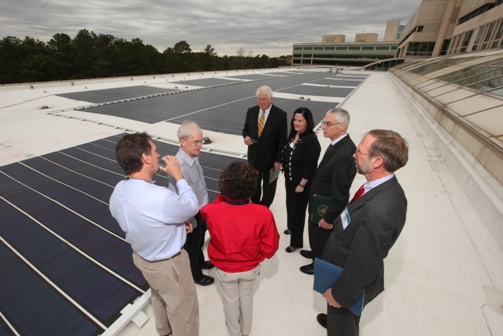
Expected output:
(333, 179)
(366, 230)
(265, 133)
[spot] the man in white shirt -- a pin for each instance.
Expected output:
(153, 219)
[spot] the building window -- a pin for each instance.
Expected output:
(445, 47)
(478, 11)
(420, 48)
(382, 47)
(329, 48)
(297, 48)
(308, 48)
(488, 36)
(497, 36)
(452, 46)
(353, 47)
(368, 47)
(318, 48)
(477, 39)
(341, 48)
(466, 40)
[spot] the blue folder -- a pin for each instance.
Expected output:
(325, 275)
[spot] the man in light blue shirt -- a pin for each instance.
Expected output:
(153, 219)
(190, 136)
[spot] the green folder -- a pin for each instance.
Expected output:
(319, 205)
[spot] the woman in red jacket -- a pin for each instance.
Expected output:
(242, 235)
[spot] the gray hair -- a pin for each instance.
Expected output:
(267, 89)
(186, 129)
(341, 115)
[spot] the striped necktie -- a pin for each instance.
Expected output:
(261, 123)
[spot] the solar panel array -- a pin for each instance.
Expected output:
(222, 108)
(65, 268)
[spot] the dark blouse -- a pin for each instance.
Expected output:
(301, 161)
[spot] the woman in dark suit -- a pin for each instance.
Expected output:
(300, 159)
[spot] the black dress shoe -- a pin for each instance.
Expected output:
(287, 231)
(207, 265)
(322, 320)
(306, 254)
(205, 281)
(307, 269)
(290, 249)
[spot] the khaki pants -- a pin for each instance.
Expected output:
(174, 296)
(238, 299)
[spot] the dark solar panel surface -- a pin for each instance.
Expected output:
(205, 82)
(229, 118)
(253, 76)
(100, 96)
(340, 82)
(318, 91)
(25, 298)
(283, 74)
(55, 217)
(223, 109)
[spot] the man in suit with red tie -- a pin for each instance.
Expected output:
(366, 230)
(265, 133)
(334, 177)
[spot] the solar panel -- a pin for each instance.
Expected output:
(204, 82)
(65, 268)
(100, 96)
(220, 109)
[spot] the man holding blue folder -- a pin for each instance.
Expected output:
(365, 231)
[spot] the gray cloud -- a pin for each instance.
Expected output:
(266, 27)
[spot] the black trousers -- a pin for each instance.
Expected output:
(267, 191)
(342, 322)
(296, 204)
(194, 245)
(318, 237)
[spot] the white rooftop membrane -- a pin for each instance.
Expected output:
(444, 276)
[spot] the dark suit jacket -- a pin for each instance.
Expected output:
(377, 218)
(303, 159)
(334, 177)
(267, 150)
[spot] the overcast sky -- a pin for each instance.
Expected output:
(264, 26)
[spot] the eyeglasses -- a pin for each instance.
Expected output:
(328, 124)
(196, 142)
(357, 152)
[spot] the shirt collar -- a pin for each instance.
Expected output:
(267, 110)
(185, 157)
(338, 139)
(372, 184)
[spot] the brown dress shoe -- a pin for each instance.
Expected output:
(322, 320)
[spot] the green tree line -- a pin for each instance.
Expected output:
(91, 55)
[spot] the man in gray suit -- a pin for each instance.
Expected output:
(366, 230)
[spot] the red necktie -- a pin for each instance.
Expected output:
(360, 192)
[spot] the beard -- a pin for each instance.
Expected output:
(364, 168)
